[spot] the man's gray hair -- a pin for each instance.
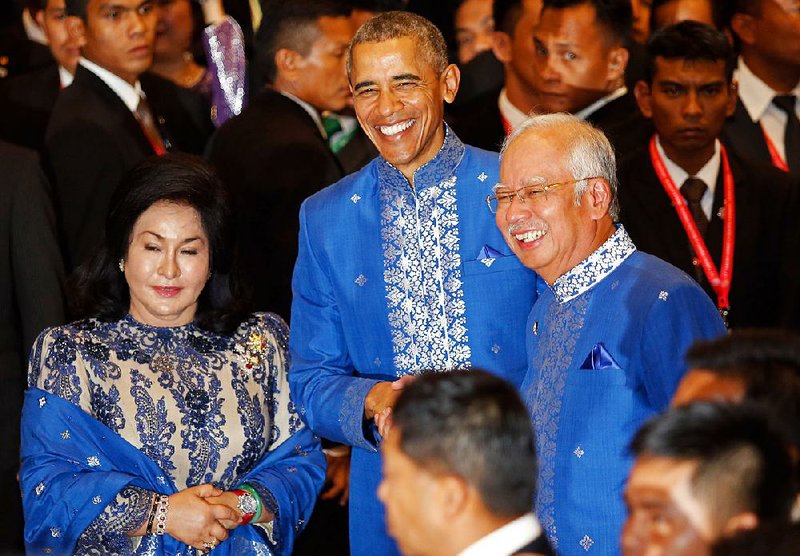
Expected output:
(590, 153)
(394, 25)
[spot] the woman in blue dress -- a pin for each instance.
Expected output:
(162, 423)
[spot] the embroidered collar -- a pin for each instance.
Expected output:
(595, 267)
(437, 169)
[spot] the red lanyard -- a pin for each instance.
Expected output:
(720, 280)
(158, 146)
(506, 125)
(777, 159)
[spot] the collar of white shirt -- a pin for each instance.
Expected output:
(130, 94)
(65, 77)
(756, 96)
(598, 104)
(707, 173)
(513, 115)
(310, 109)
(507, 539)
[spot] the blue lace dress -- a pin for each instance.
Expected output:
(202, 407)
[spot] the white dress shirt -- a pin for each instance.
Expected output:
(707, 173)
(513, 115)
(130, 94)
(756, 97)
(507, 539)
(599, 103)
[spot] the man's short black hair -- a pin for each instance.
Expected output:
(474, 425)
(718, 12)
(689, 40)
(76, 8)
(767, 362)
(742, 461)
(615, 17)
(291, 24)
(506, 15)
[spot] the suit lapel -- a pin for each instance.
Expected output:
(745, 136)
(113, 103)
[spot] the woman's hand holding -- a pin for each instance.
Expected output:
(194, 520)
(230, 500)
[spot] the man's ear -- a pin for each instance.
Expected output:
(77, 29)
(289, 63)
(502, 46)
(453, 496)
(617, 62)
(644, 99)
(39, 17)
(450, 80)
(733, 98)
(742, 26)
(740, 522)
(598, 197)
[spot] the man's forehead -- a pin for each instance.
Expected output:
(571, 23)
(104, 4)
(657, 472)
(682, 68)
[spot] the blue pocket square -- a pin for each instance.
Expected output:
(599, 359)
(488, 252)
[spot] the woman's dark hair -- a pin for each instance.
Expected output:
(98, 288)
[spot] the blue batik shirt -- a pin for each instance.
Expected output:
(393, 280)
(606, 346)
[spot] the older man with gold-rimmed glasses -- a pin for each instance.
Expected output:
(605, 340)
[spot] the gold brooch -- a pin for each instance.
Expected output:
(252, 352)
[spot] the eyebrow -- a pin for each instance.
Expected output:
(401, 77)
(185, 241)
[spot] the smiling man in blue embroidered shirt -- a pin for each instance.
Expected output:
(399, 267)
(605, 338)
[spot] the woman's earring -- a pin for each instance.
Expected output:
(121, 265)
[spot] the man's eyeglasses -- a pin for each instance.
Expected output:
(530, 193)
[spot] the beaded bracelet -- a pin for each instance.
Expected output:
(255, 495)
(161, 514)
(153, 500)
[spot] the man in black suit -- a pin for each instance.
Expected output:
(581, 59)
(765, 125)
(111, 117)
(22, 46)
(485, 120)
(26, 101)
(275, 153)
(31, 276)
(688, 95)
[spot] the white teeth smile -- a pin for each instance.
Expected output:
(396, 128)
(527, 237)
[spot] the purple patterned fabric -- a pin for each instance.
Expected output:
(226, 76)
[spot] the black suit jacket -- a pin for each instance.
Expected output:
(765, 270)
(609, 116)
(18, 53)
(26, 102)
(272, 156)
(479, 122)
(31, 277)
(93, 139)
(746, 136)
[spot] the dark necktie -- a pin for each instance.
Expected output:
(145, 117)
(693, 190)
(791, 138)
